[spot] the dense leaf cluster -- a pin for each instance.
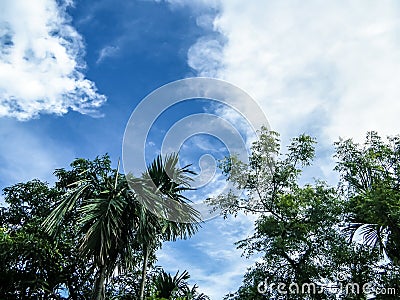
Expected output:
(313, 236)
(89, 236)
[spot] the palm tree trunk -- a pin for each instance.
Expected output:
(144, 271)
(99, 287)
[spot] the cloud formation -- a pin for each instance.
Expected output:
(41, 62)
(329, 69)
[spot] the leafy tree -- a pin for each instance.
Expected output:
(96, 231)
(297, 231)
(371, 183)
(33, 265)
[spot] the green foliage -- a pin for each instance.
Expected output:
(371, 183)
(162, 183)
(33, 264)
(164, 286)
(298, 232)
(100, 241)
(70, 239)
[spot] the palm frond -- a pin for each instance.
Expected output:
(65, 205)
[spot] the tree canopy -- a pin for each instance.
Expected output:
(90, 236)
(312, 237)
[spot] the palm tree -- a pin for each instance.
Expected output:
(111, 219)
(107, 217)
(167, 287)
(162, 183)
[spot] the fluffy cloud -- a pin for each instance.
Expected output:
(41, 62)
(329, 68)
(206, 56)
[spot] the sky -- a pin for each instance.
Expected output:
(72, 73)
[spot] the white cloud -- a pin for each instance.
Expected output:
(41, 62)
(205, 56)
(198, 4)
(107, 51)
(328, 67)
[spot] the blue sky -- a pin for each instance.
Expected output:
(72, 72)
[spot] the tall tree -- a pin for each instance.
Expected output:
(163, 178)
